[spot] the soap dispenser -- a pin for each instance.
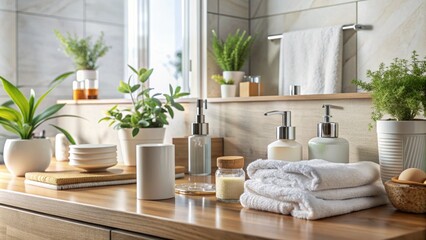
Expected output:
(285, 148)
(199, 144)
(327, 145)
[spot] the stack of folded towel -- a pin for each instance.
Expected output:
(312, 189)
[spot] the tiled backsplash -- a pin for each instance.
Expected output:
(30, 54)
(398, 29)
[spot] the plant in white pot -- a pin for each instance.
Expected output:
(227, 87)
(231, 54)
(399, 90)
(85, 56)
(144, 122)
(25, 154)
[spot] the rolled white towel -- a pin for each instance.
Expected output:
(314, 175)
(290, 193)
(310, 207)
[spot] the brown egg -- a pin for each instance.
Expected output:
(413, 175)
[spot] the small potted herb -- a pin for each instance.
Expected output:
(399, 90)
(26, 154)
(232, 53)
(85, 56)
(227, 87)
(144, 121)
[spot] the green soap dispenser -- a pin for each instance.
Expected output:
(285, 147)
(327, 145)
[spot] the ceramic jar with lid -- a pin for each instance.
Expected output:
(230, 178)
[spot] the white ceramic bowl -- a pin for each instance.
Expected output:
(92, 156)
(94, 166)
(93, 148)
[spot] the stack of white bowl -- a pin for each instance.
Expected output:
(93, 157)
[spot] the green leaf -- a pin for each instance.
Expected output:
(59, 79)
(17, 97)
(171, 90)
(183, 94)
(9, 126)
(31, 103)
(8, 103)
(143, 123)
(67, 134)
(135, 132)
(170, 110)
(104, 119)
(10, 114)
(144, 77)
(47, 113)
(177, 90)
(132, 68)
(178, 106)
(135, 88)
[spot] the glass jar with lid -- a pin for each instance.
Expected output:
(230, 178)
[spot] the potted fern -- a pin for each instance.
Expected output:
(227, 87)
(85, 57)
(399, 90)
(231, 54)
(26, 154)
(144, 122)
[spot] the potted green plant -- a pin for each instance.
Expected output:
(144, 122)
(26, 154)
(85, 56)
(399, 90)
(227, 87)
(231, 54)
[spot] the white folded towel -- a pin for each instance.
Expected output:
(314, 175)
(290, 193)
(309, 207)
(312, 59)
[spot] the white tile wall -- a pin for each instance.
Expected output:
(63, 8)
(236, 8)
(8, 5)
(399, 27)
(8, 46)
(212, 6)
(111, 11)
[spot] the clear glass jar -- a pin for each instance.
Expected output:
(78, 90)
(230, 178)
(91, 86)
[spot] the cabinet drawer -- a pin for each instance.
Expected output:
(123, 235)
(17, 224)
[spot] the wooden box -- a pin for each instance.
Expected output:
(181, 152)
(249, 89)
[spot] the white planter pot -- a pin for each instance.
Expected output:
(402, 145)
(237, 76)
(21, 156)
(227, 90)
(82, 75)
(128, 143)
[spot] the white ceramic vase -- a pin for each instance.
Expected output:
(23, 155)
(128, 143)
(402, 145)
(237, 76)
(227, 91)
(82, 75)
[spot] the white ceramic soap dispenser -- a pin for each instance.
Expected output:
(285, 148)
(327, 145)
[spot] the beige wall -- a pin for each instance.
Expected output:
(398, 29)
(246, 131)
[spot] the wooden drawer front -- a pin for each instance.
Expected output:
(18, 224)
(123, 235)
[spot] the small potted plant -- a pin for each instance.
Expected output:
(85, 56)
(144, 122)
(231, 54)
(399, 90)
(26, 154)
(227, 87)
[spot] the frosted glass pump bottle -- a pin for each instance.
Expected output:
(199, 144)
(285, 147)
(327, 145)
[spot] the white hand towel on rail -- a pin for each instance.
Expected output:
(289, 193)
(308, 207)
(312, 59)
(314, 175)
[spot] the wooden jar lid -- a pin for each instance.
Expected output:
(230, 162)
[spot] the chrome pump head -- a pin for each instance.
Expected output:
(200, 127)
(327, 129)
(285, 131)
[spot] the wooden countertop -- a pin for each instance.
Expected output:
(197, 217)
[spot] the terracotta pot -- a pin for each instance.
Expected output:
(402, 145)
(128, 143)
(23, 155)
